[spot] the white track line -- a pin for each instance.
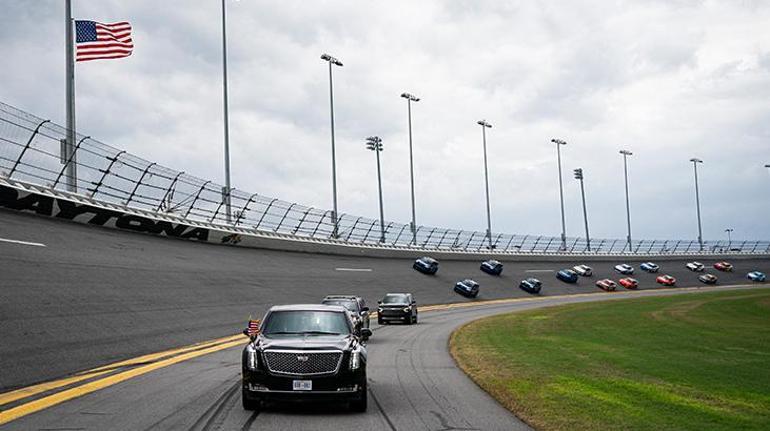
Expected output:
(354, 269)
(13, 241)
(539, 270)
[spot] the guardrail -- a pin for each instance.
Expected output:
(32, 151)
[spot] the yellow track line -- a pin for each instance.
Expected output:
(193, 351)
(66, 395)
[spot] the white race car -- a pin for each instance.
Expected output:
(624, 269)
(583, 270)
(695, 266)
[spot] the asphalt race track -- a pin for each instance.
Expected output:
(92, 296)
(413, 385)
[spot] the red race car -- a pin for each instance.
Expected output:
(724, 266)
(606, 284)
(666, 280)
(629, 283)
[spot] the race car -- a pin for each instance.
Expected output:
(606, 284)
(567, 276)
(624, 269)
(426, 265)
(629, 283)
(649, 267)
(666, 280)
(467, 287)
(399, 307)
(492, 267)
(531, 285)
(583, 270)
(694, 266)
(724, 266)
(756, 276)
(708, 278)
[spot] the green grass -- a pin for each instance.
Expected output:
(688, 362)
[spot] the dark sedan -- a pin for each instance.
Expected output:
(467, 288)
(492, 267)
(397, 307)
(426, 265)
(531, 285)
(567, 276)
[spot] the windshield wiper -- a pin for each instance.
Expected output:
(320, 333)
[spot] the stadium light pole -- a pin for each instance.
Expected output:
(484, 126)
(226, 191)
(409, 99)
(559, 143)
(333, 62)
(625, 154)
(729, 237)
(695, 162)
(579, 177)
(374, 143)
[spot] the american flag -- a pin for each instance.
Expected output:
(253, 329)
(95, 40)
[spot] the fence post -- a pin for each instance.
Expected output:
(225, 198)
(133, 192)
(264, 213)
(457, 238)
(547, 246)
(244, 209)
(612, 247)
(352, 229)
(24, 150)
(69, 160)
(280, 223)
(387, 229)
(106, 172)
(403, 227)
(197, 195)
(440, 240)
(511, 240)
(469, 241)
(652, 244)
(312, 235)
(534, 246)
(688, 247)
(494, 244)
(427, 240)
(638, 246)
(601, 244)
(169, 193)
(742, 244)
(756, 243)
(369, 231)
(572, 249)
(301, 220)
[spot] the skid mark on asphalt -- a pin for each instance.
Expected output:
(217, 411)
(15, 241)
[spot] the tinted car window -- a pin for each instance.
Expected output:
(395, 299)
(301, 321)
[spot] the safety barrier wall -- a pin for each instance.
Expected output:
(32, 153)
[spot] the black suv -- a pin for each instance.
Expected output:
(426, 265)
(397, 306)
(355, 304)
(305, 352)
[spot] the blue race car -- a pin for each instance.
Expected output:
(649, 267)
(426, 265)
(492, 267)
(567, 276)
(531, 285)
(467, 288)
(756, 276)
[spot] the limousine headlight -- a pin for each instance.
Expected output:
(251, 358)
(355, 360)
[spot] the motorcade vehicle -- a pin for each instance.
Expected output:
(355, 304)
(756, 276)
(531, 285)
(467, 288)
(606, 284)
(583, 270)
(629, 283)
(426, 265)
(492, 267)
(305, 352)
(694, 266)
(649, 267)
(624, 269)
(567, 276)
(724, 266)
(666, 280)
(399, 307)
(708, 278)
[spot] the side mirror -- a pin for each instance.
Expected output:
(364, 310)
(366, 332)
(414, 302)
(379, 302)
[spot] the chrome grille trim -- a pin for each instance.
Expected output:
(319, 362)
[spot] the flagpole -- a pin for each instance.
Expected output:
(69, 147)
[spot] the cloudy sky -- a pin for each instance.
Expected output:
(668, 80)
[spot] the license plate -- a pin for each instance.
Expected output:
(303, 385)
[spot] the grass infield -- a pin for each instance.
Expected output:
(687, 362)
